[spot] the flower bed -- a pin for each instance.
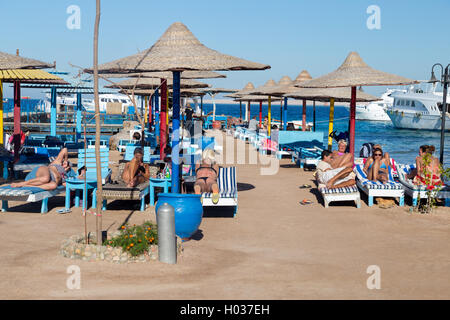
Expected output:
(118, 248)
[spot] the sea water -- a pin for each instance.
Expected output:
(403, 145)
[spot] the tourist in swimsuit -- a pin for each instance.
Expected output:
(377, 167)
(206, 172)
(428, 174)
(135, 171)
(340, 158)
(51, 176)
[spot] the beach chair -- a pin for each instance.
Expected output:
(120, 191)
(415, 191)
(391, 189)
(227, 183)
(29, 194)
(339, 194)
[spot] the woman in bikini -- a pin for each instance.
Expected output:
(51, 176)
(206, 172)
(430, 172)
(377, 167)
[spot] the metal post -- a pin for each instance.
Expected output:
(176, 132)
(285, 113)
(53, 113)
(78, 126)
(260, 113)
(314, 115)
(1, 116)
(444, 111)
(167, 241)
(269, 117)
(156, 102)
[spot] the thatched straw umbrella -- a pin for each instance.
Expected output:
(169, 75)
(247, 88)
(10, 61)
(332, 95)
(152, 83)
(269, 84)
(178, 50)
(213, 92)
(257, 98)
(352, 73)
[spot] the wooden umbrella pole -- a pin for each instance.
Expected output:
(85, 180)
(269, 117)
(304, 116)
(260, 113)
(98, 216)
(352, 122)
(330, 124)
(314, 115)
(162, 117)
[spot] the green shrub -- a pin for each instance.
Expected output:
(135, 240)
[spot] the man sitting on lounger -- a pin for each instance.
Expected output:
(333, 177)
(51, 176)
(135, 171)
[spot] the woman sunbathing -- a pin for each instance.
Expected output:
(136, 171)
(206, 172)
(51, 176)
(430, 173)
(377, 167)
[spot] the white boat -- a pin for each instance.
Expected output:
(376, 110)
(70, 99)
(418, 109)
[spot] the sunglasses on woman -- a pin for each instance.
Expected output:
(377, 154)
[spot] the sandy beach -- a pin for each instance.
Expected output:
(275, 248)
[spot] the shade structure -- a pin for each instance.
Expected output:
(213, 92)
(325, 94)
(187, 92)
(151, 83)
(168, 75)
(355, 72)
(302, 77)
(30, 76)
(352, 73)
(178, 50)
(10, 61)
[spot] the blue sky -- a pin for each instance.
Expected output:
(289, 35)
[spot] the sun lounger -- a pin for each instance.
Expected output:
(120, 191)
(415, 191)
(340, 194)
(28, 194)
(227, 183)
(373, 189)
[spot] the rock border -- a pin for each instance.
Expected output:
(74, 247)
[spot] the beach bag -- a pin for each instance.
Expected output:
(366, 150)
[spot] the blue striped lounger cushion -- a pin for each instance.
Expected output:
(352, 189)
(227, 183)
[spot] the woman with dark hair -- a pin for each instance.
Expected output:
(377, 167)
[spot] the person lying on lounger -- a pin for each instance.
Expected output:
(136, 171)
(341, 158)
(206, 171)
(51, 176)
(333, 177)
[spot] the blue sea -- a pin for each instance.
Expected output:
(403, 145)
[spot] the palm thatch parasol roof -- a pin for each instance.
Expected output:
(355, 72)
(303, 76)
(31, 76)
(218, 90)
(185, 92)
(325, 94)
(178, 50)
(270, 84)
(169, 75)
(10, 61)
(248, 87)
(279, 89)
(151, 83)
(257, 98)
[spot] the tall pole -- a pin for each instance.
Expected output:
(330, 124)
(314, 115)
(78, 126)
(157, 130)
(260, 113)
(240, 109)
(162, 116)
(352, 122)
(269, 117)
(53, 112)
(285, 114)
(98, 216)
(1, 117)
(304, 116)
(176, 133)
(444, 115)
(17, 120)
